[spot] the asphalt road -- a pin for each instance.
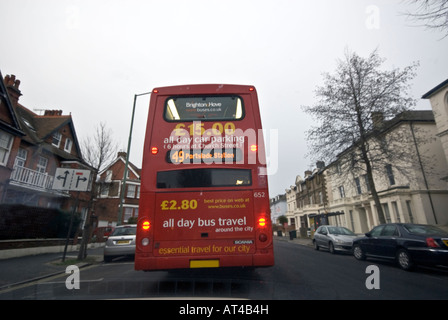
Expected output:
(300, 273)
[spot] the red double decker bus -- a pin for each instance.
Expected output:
(204, 192)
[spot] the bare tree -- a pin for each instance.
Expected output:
(348, 106)
(432, 13)
(99, 149)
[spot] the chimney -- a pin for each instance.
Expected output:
(320, 165)
(121, 154)
(12, 84)
(308, 173)
(377, 119)
(53, 113)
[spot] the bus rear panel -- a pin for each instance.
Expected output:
(204, 199)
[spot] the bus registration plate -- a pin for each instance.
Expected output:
(204, 263)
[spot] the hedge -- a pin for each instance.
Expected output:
(24, 222)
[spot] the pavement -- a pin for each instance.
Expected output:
(302, 241)
(26, 269)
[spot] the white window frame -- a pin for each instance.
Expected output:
(57, 136)
(396, 211)
(22, 154)
(341, 192)
(386, 212)
(358, 185)
(68, 145)
(42, 165)
(128, 212)
(390, 174)
(109, 175)
(6, 140)
(104, 190)
(132, 188)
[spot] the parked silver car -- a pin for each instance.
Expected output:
(334, 238)
(121, 242)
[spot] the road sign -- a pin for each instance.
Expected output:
(71, 179)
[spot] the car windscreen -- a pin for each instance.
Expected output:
(340, 231)
(125, 231)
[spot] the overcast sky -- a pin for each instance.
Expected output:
(89, 58)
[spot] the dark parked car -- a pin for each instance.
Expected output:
(408, 244)
(334, 238)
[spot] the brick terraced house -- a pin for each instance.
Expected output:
(32, 147)
(109, 186)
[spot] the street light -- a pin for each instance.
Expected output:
(120, 213)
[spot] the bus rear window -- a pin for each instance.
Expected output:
(203, 178)
(194, 108)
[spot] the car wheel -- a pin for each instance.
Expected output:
(404, 260)
(358, 253)
(316, 247)
(331, 248)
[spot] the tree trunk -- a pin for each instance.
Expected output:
(376, 198)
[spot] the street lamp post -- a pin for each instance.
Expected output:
(125, 174)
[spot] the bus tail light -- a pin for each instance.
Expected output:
(254, 148)
(154, 150)
(146, 225)
(262, 222)
(262, 237)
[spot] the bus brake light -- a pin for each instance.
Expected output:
(154, 150)
(253, 148)
(262, 222)
(146, 225)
